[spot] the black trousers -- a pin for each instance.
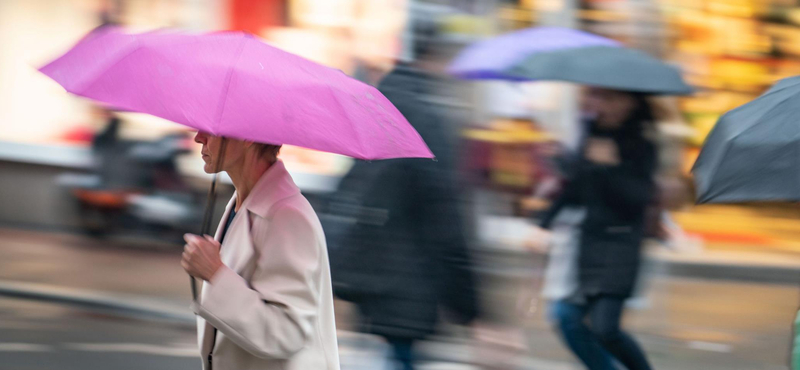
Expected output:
(605, 314)
(403, 351)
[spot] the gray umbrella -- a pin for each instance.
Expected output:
(753, 152)
(604, 66)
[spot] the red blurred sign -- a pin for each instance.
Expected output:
(254, 16)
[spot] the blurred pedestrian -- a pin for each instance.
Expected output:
(270, 305)
(107, 146)
(613, 183)
(405, 257)
(109, 134)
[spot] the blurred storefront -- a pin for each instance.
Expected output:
(44, 125)
(730, 49)
(34, 109)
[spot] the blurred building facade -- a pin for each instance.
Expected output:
(730, 49)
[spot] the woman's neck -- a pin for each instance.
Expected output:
(245, 177)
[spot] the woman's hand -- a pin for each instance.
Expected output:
(201, 256)
(538, 239)
(603, 152)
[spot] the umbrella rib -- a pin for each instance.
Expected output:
(748, 104)
(362, 151)
(763, 117)
(708, 193)
(729, 143)
(227, 86)
(91, 82)
(796, 153)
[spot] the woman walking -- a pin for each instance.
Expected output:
(613, 182)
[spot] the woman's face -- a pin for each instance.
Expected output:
(234, 151)
(609, 108)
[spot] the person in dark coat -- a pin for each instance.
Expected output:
(402, 257)
(614, 182)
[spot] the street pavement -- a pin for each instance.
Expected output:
(683, 323)
(39, 335)
(36, 336)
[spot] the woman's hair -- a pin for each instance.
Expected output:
(641, 120)
(637, 136)
(268, 151)
(637, 131)
(639, 125)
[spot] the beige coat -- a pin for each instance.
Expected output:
(272, 302)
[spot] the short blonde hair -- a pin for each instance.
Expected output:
(269, 151)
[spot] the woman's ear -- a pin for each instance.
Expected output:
(251, 148)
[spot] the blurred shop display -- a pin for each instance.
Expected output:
(510, 156)
(134, 186)
(733, 50)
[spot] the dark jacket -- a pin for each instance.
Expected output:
(404, 256)
(616, 198)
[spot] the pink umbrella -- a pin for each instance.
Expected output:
(231, 84)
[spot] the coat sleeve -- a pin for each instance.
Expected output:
(570, 195)
(558, 204)
(272, 316)
(441, 225)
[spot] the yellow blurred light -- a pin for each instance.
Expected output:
(509, 131)
(734, 72)
(603, 16)
(703, 124)
(466, 25)
(548, 5)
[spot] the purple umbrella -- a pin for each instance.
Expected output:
(561, 54)
(231, 84)
(493, 58)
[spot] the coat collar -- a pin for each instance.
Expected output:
(274, 185)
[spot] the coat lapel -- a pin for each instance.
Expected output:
(218, 234)
(275, 185)
(228, 209)
(203, 327)
(237, 249)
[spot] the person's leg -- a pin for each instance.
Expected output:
(605, 314)
(402, 348)
(569, 322)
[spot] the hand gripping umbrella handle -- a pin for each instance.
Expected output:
(208, 214)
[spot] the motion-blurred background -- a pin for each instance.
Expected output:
(93, 202)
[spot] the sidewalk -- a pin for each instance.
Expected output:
(357, 351)
(669, 351)
(683, 322)
(692, 258)
(135, 268)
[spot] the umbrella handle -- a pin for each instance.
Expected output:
(193, 282)
(209, 211)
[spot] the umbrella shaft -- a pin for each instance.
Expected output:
(210, 200)
(209, 211)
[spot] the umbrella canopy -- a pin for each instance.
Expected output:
(603, 66)
(561, 54)
(231, 84)
(752, 152)
(492, 58)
